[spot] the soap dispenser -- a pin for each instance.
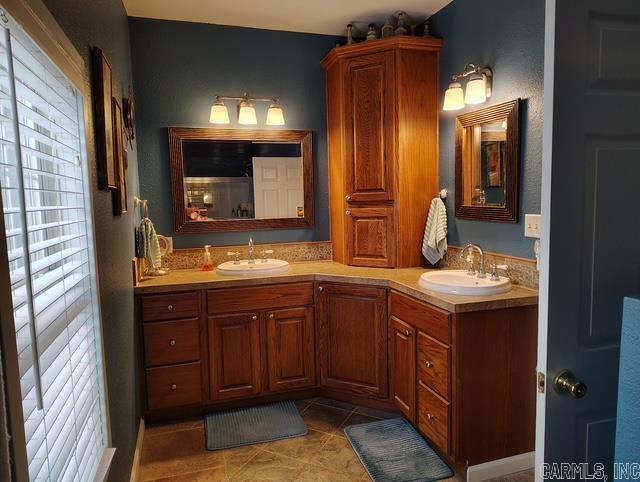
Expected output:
(207, 263)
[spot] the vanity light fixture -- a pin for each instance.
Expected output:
(478, 88)
(246, 110)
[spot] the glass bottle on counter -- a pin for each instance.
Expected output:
(207, 262)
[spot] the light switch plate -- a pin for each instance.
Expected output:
(532, 225)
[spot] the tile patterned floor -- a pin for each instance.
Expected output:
(176, 452)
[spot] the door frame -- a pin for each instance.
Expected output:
(545, 211)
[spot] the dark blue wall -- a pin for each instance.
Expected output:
(508, 36)
(178, 69)
(104, 23)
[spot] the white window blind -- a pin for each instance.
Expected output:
(46, 204)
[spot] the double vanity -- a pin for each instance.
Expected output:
(460, 368)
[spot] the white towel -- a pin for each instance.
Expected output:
(434, 244)
(151, 245)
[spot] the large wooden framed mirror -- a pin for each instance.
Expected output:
(241, 179)
(488, 163)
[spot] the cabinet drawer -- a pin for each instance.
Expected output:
(172, 306)
(433, 364)
(174, 386)
(171, 342)
(431, 320)
(433, 417)
(232, 300)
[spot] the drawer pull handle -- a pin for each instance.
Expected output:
(320, 288)
(348, 197)
(428, 364)
(254, 317)
(430, 417)
(173, 386)
(407, 333)
(172, 343)
(272, 316)
(170, 307)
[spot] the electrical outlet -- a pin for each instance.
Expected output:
(532, 225)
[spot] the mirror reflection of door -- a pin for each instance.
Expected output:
(242, 180)
(483, 155)
(277, 187)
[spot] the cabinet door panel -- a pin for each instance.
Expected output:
(353, 339)
(370, 100)
(403, 366)
(290, 349)
(370, 237)
(235, 355)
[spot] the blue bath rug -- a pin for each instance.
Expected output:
(252, 425)
(392, 450)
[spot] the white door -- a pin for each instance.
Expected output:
(277, 187)
(594, 226)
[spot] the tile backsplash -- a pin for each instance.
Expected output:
(292, 252)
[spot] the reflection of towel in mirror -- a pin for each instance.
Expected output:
(434, 243)
(151, 246)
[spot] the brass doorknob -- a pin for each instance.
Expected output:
(566, 383)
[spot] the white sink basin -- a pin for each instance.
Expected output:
(244, 268)
(458, 282)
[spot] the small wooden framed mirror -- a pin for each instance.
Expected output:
(488, 163)
(241, 179)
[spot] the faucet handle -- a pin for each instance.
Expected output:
(470, 268)
(265, 253)
(236, 256)
(494, 271)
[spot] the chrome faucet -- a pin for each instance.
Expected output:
(471, 271)
(252, 259)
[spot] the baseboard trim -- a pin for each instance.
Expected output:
(498, 468)
(138, 453)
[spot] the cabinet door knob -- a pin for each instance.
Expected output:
(172, 343)
(173, 386)
(430, 417)
(170, 307)
(272, 316)
(407, 333)
(347, 212)
(428, 364)
(348, 197)
(320, 288)
(254, 317)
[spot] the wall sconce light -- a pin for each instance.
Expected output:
(478, 88)
(246, 110)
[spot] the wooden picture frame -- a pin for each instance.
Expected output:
(178, 135)
(509, 213)
(119, 195)
(103, 120)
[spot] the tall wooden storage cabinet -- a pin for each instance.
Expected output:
(383, 100)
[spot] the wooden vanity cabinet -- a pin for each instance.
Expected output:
(261, 340)
(172, 350)
(353, 339)
(473, 378)
(382, 108)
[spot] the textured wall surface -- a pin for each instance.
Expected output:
(178, 69)
(509, 37)
(103, 23)
(628, 422)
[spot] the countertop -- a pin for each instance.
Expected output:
(404, 280)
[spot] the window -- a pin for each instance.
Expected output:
(48, 226)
